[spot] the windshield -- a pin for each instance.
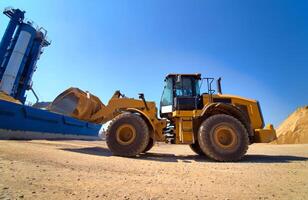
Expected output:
(167, 97)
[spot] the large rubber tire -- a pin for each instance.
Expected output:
(136, 144)
(149, 146)
(196, 148)
(223, 138)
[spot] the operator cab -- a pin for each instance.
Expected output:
(181, 92)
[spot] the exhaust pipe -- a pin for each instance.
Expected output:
(219, 91)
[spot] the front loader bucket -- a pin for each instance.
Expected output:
(78, 104)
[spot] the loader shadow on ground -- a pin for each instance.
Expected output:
(96, 151)
(168, 157)
(251, 158)
(258, 158)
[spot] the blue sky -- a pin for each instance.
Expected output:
(259, 48)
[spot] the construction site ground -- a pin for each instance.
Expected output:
(44, 169)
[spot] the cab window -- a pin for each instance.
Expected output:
(167, 97)
(187, 87)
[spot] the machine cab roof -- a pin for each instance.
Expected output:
(196, 76)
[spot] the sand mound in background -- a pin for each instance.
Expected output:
(294, 130)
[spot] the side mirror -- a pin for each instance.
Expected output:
(219, 91)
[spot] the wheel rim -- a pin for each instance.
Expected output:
(125, 134)
(225, 137)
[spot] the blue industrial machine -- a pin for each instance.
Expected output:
(20, 49)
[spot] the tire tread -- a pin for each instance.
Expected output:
(207, 147)
(144, 129)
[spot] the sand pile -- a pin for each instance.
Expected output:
(294, 130)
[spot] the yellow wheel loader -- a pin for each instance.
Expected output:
(213, 124)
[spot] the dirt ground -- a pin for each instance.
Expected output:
(81, 169)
